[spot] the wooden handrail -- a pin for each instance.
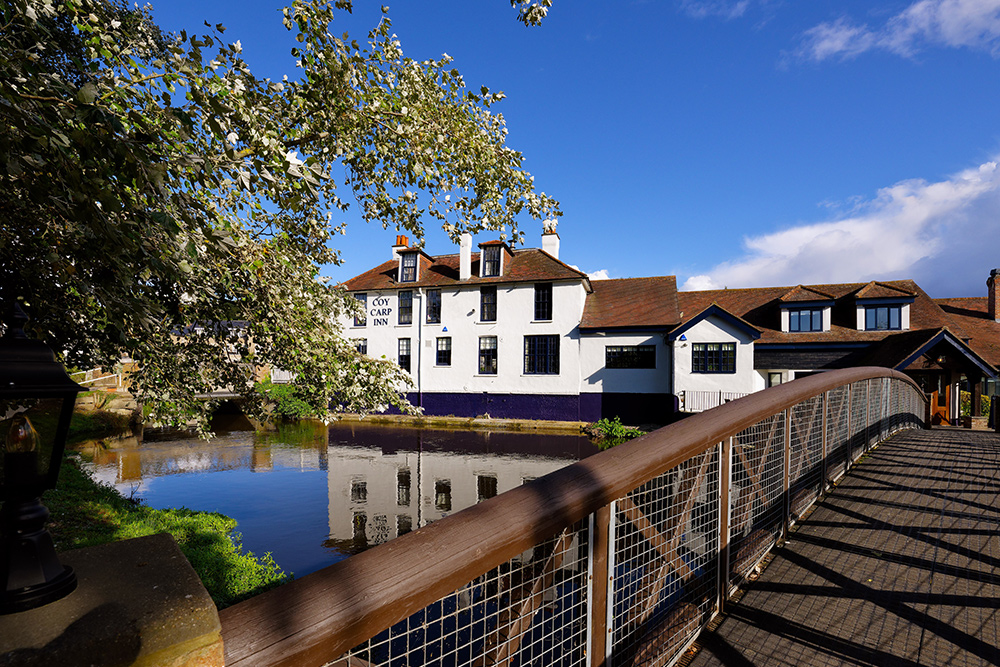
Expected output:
(315, 619)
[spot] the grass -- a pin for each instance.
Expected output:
(86, 513)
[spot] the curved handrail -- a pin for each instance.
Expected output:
(317, 618)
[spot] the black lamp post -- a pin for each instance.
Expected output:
(36, 405)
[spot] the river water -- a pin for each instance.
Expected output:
(312, 495)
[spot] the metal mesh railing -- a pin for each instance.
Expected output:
(665, 541)
(532, 610)
(643, 543)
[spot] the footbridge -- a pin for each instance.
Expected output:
(879, 539)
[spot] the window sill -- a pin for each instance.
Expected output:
(490, 322)
(540, 322)
(485, 375)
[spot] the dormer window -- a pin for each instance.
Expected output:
(491, 261)
(408, 268)
(805, 319)
(883, 318)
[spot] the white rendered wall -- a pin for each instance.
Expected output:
(596, 378)
(715, 330)
(460, 320)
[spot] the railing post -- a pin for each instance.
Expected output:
(826, 408)
(600, 583)
(868, 414)
(785, 474)
(725, 479)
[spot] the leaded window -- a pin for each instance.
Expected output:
(541, 355)
(444, 351)
(361, 318)
(713, 357)
(406, 307)
(491, 260)
(543, 301)
(404, 353)
(488, 355)
(488, 303)
(433, 306)
(408, 274)
(630, 356)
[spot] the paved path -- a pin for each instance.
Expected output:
(900, 565)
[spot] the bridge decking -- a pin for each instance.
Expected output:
(899, 565)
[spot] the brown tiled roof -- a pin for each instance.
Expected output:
(894, 350)
(632, 302)
(761, 307)
(527, 265)
(971, 314)
(876, 290)
(801, 293)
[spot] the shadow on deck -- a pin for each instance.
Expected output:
(899, 565)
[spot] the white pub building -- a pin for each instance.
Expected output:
(520, 334)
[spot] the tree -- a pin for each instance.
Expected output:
(162, 201)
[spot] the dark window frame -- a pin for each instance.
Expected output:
(488, 364)
(433, 306)
(443, 356)
(713, 358)
(408, 268)
(541, 354)
(543, 302)
(404, 357)
(488, 303)
(630, 356)
(872, 317)
(362, 320)
(812, 315)
(405, 303)
(491, 261)
(361, 345)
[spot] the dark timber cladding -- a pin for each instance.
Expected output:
(808, 358)
(900, 565)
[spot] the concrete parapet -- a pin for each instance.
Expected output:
(138, 602)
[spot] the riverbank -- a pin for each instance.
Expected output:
(487, 423)
(85, 513)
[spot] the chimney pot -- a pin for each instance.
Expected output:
(401, 242)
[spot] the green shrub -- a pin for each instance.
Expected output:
(85, 513)
(609, 433)
(287, 403)
(965, 399)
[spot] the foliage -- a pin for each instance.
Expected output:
(85, 513)
(286, 401)
(162, 201)
(611, 432)
(965, 407)
(98, 424)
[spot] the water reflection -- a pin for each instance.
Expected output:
(313, 495)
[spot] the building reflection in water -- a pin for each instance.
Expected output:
(351, 485)
(385, 481)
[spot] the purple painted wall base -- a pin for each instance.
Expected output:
(631, 408)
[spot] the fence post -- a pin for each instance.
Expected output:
(786, 472)
(826, 408)
(725, 477)
(868, 414)
(600, 583)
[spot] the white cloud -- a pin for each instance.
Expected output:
(942, 234)
(973, 24)
(727, 9)
(600, 274)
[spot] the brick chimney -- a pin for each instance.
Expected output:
(465, 256)
(993, 293)
(550, 239)
(401, 242)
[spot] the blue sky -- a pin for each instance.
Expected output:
(730, 143)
